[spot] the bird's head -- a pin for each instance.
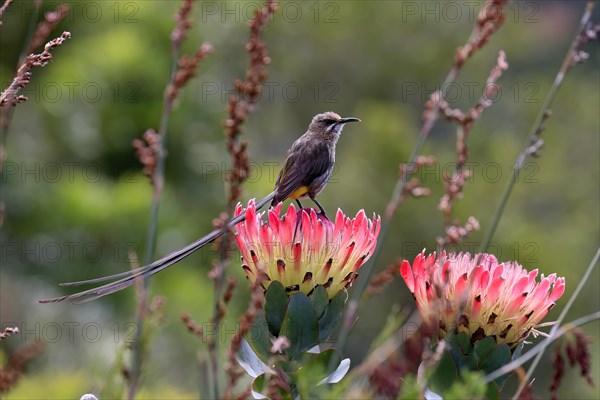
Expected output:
(329, 123)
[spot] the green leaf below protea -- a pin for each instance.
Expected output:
(485, 355)
(276, 303)
(499, 357)
(484, 348)
(320, 300)
(259, 386)
(445, 373)
(480, 351)
(331, 317)
(300, 325)
(460, 348)
(316, 366)
(492, 391)
(258, 337)
(463, 341)
(314, 372)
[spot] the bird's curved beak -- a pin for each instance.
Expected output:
(351, 119)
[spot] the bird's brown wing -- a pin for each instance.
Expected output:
(303, 166)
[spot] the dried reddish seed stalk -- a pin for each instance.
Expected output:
(186, 65)
(242, 104)
(183, 24)
(13, 370)
(578, 56)
(220, 245)
(147, 150)
(578, 353)
(9, 330)
(231, 282)
(582, 355)
(187, 69)
(246, 394)
(454, 183)
(590, 32)
(151, 153)
(491, 17)
(412, 186)
(191, 325)
(527, 393)
(558, 371)
(233, 369)
(380, 281)
(45, 27)
(10, 95)
(239, 106)
(387, 377)
(3, 9)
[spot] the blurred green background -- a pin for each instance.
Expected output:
(76, 201)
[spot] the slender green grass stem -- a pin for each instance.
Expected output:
(536, 128)
(153, 225)
(553, 332)
(540, 347)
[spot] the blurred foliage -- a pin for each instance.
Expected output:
(76, 201)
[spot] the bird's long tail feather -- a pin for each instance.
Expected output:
(128, 278)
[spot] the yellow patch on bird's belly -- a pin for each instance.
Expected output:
(301, 191)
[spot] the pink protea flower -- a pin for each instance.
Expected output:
(302, 249)
(480, 296)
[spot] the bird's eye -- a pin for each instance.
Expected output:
(329, 121)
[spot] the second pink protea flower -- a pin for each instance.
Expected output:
(302, 249)
(479, 296)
